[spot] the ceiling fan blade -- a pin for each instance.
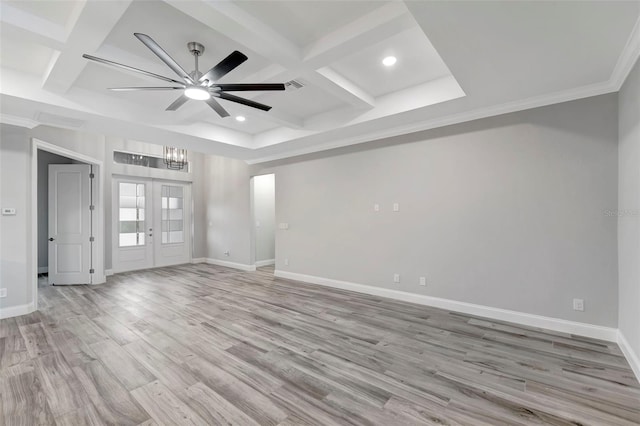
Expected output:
(224, 66)
(177, 103)
(215, 105)
(240, 100)
(128, 68)
(248, 87)
(164, 56)
(133, 89)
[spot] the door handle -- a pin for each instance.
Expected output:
(51, 239)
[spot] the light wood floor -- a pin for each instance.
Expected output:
(201, 344)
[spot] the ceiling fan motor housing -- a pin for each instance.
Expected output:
(195, 48)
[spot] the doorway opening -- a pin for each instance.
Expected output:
(263, 203)
(67, 246)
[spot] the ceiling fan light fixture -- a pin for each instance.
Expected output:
(240, 118)
(389, 61)
(197, 93)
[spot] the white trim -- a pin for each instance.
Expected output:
(14, 311)
(531, 320)
(43, 269)
(199, 260)
(241, 266)
(108, 272)
(18, 121)
(629, 353)
(627, 58)
(267, 262)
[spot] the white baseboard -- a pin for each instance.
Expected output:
(108, 272)
(199, 260)
(241, 266)
(632, 357)
(14, 311)
(531, 320)
(267, 262)
(43, 269)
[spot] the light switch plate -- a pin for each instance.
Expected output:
(8, 211)
(396, 207)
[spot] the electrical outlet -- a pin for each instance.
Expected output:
(226, 253)
(376, 207)
(3, 292)
(423, 280)
(396, 278)
(396, 207)
(578, 304)
(286, 261)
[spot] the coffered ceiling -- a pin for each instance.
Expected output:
(456, 61)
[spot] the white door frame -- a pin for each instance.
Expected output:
(98, 202)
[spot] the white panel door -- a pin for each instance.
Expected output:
(172, 222)
(132, 224)
(69, 224)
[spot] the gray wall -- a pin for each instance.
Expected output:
(15, 231)
(228, 214)
(629, 209)
(506, 212)
(44, 159)
(264, 215)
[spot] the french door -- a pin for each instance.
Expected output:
(151, 223)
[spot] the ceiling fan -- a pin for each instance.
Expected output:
(196, 85)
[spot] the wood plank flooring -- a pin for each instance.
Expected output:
(206, 345)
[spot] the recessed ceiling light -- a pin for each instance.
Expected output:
(389, 61)
(240, 118)
(198, 93)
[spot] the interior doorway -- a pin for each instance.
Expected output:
(263, 194)
(151, 223)
(80, 262)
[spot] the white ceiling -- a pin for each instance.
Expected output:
(456, 61)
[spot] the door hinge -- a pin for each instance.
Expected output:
(91, 271)
(92, 207)
(92, 175)
(91, 239)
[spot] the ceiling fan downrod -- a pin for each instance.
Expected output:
(196, 50)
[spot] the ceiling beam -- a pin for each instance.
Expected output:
(93, 23)
(372, 28)
(20, 25)
(341, 87)
(242, 27)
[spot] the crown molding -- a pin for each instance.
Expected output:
(18, 121)
(476, 114)
(627, 58)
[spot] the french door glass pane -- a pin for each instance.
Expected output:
(172, 225)
(131, 214)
